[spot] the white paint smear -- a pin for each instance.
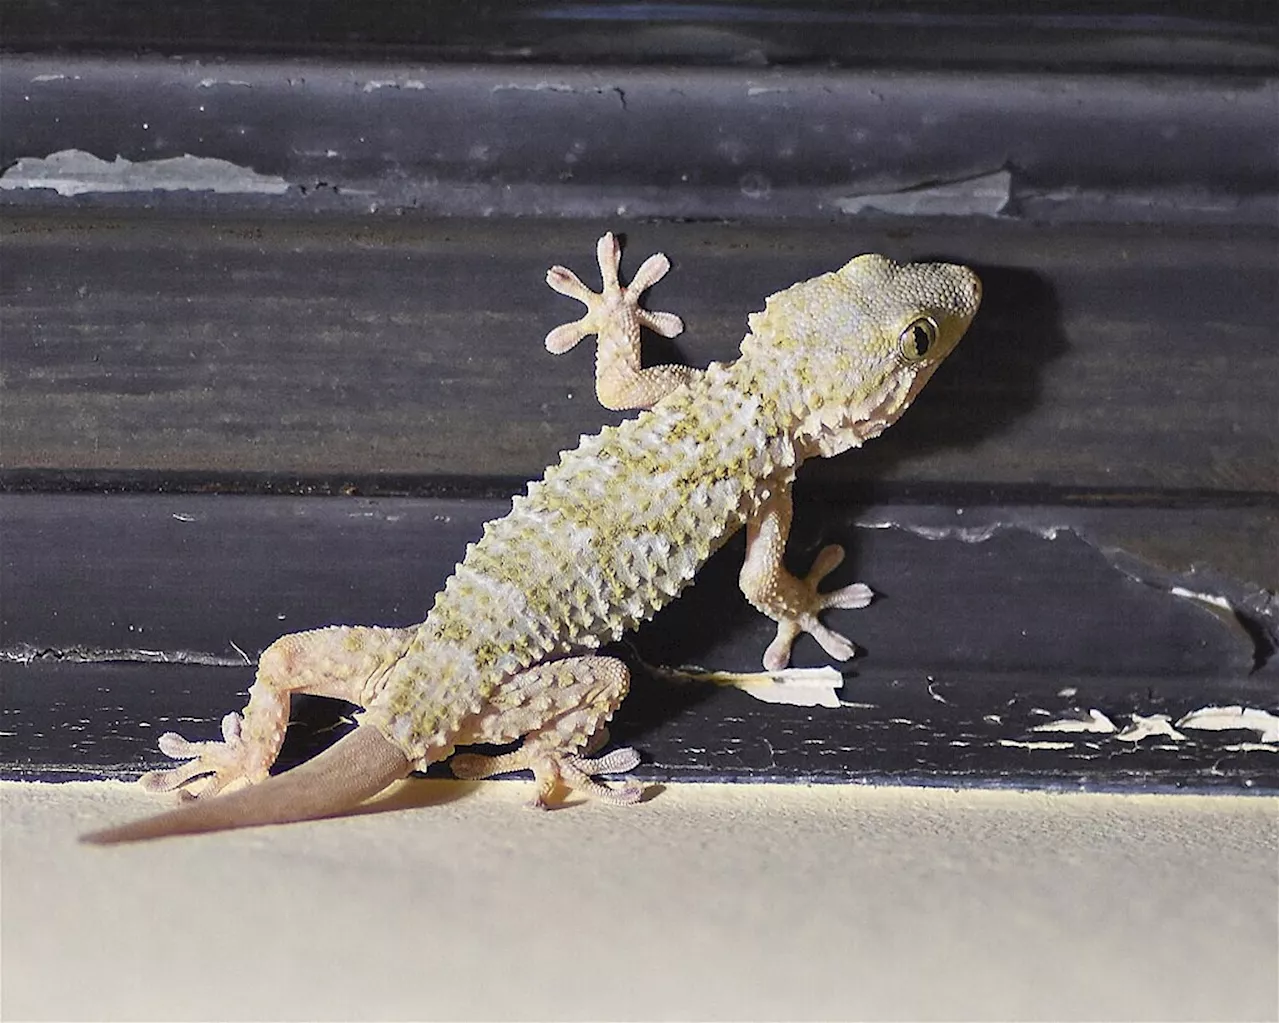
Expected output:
(800, 687)
(1227, 718)
(1042, 744)
(1096, 721)
(1204, 598)
(391, 83)
(75, 172)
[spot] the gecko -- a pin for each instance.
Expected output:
(610, 534)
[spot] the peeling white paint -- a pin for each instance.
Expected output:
(985, 194)
(799, 687)
(965, 534)
(209, 83)
(1204, 598)
(393, 83)
(75, 172)
(1227, 718)
(1142, 725)
(1096, 721)
(50, 78)
(1041, 744)
(1252, 747)
(538, 87)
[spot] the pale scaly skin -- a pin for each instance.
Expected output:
(611, 533)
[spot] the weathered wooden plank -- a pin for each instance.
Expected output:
(70, 721)
(745, 143)
(984, 630)
(1104, 357)
(1235, 35)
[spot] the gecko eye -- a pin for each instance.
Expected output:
(914, 342)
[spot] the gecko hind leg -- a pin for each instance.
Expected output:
(615, 316)
(342, 661)
(560, 708)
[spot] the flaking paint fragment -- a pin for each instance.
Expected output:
(1041, 744)
(1143, 725)
(25, 653)
(966, 534)
(982, 195)
(799, 687)
(392, 83)
(74, 172)
(1205, 598)
(1094, 721)
(1267, 725)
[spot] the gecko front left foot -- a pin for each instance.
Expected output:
(615, 316)
(838, 646)
(552, 769)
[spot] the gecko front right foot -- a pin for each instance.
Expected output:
(811, 601)
(212, 766)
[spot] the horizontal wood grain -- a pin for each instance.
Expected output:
(1103, 357)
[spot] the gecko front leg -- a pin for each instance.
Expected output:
(615, 316)
(792, 602)
(342, 661)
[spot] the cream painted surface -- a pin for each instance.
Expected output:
(708, 901)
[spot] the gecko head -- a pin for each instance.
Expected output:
(857, 345)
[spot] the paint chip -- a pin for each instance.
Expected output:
(1230, 718)
(983, 195)
(1143, 725)
(75, 172)
(1042, 744)
(1094, 721)
(799, 687)
(1204, 598)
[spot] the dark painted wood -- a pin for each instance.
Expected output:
(1101, 449)
(972, 642)
(324, 136)
(66, 722)
(1135, 33)
(1104, 357)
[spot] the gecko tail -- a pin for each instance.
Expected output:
(361, 764)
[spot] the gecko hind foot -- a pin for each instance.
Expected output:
(211, 766)
(551, 770)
